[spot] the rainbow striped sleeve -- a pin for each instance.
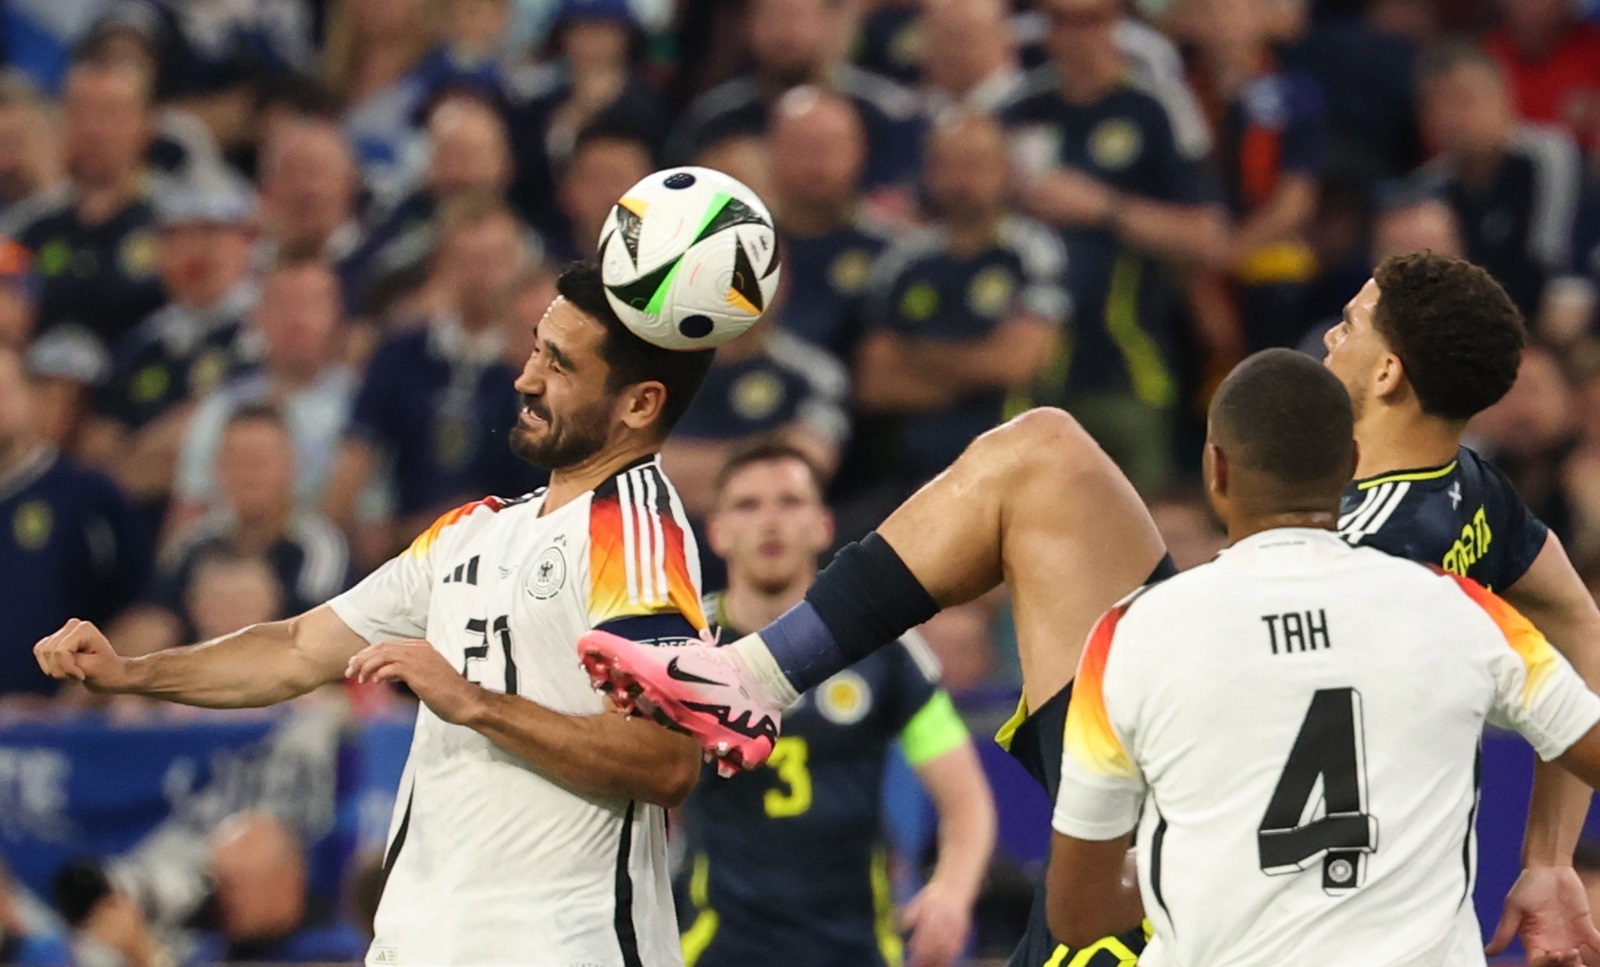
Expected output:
(1538, 656)
(418, 551)
(1089, 739)
(640, 556)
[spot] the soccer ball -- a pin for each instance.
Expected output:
(689, 258)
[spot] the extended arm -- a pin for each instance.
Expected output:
(940, 915)
(1091, 889)
(1554, 598)
(259, 665)
(1069, 198)
(606, 755)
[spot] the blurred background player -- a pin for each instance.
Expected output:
(788, 864)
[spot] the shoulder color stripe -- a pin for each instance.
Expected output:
(425, 541)
(1089, 737)
(1530, 644)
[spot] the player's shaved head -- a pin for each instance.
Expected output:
(1284, 425)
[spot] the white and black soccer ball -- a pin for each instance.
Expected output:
(689, 258)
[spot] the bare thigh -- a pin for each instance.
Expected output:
(1034, 503)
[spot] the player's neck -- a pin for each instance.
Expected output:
(569, 483)
(1391, 440)
(1093, 79)
(751, 609)
(1249, 525)
(256, 533)
(18, 453)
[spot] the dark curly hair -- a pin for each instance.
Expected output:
(1453, 327)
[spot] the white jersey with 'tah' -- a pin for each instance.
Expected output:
(1300, 720)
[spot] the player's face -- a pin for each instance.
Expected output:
(16, 410)
(566, 406)
(255, 466)
(770, 525)
(1354, 346)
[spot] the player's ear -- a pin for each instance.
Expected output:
(642, 404)
(1389, 373)
(1214, 465)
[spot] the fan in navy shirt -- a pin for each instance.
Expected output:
(795, 42)
(66, 544)
(94, 249)
(1100, 163)
(435, 398)
(594, 70)
(961, 314)
(1514, 187)
(817, 150)
(191, 345)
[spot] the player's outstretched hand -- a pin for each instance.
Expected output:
(1549, 907)
(79, 652)
(939, 922)
(425, 671)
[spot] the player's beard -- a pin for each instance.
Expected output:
(567, 441)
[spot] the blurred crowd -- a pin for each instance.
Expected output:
(267, 269)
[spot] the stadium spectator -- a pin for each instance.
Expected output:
(471, 55)
(260, 516)
(435, 397)
(309, 187)
(591, 76)
(264, 910)
(1271, 133)
(186, 348)
(960, 315)
(468, 151)
(66, 540)
(1530, 433)
(1099, 161)
(1514, 187)
(371, 59)
(303, 376)
(969, 55)
(32, 169)
(818, 147)
(95, 248)
(804, 42)
(1368, 77)
(210, 60)
(1551, 59)
(766, 383)
(786, 863)
(607, 160)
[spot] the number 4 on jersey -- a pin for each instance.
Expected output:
(1301, 826)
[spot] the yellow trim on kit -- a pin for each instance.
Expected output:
(1404, 477)
(889, 942)
(1008, 729)
(1147, 371)
(1107, 945)
(698, 937)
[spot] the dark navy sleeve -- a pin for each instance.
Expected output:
(1518, 534)
(1305, 134)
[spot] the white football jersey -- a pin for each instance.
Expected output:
(1300, 720)
(490, 862)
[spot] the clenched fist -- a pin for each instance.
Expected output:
(79, 652)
